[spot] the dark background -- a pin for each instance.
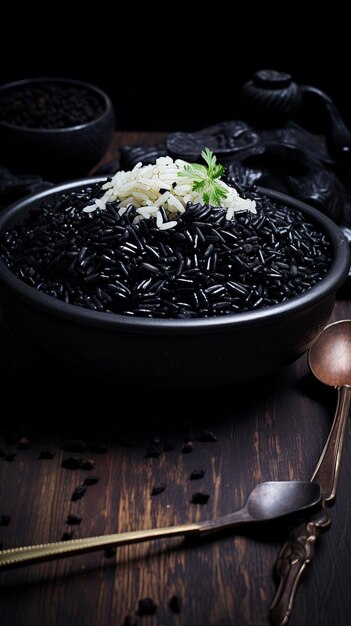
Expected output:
(172, 74)
(171, 103)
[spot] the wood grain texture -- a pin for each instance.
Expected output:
(273, 429)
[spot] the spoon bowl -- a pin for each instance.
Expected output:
(272, 500)
(330, 356)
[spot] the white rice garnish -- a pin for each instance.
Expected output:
(149, 187)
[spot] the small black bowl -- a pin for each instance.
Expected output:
(56, 153)
(190, 352)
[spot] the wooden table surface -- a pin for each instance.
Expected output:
(271, 430)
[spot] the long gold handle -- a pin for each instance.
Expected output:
(15, 557)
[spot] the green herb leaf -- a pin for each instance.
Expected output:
(205, 179)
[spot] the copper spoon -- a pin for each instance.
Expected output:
(330, 361)
(266, 502)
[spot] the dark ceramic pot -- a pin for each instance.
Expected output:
(56, 154)
(222, 350)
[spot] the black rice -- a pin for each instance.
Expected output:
(91, 480)
(146, 606)
(67, 536)
(110, 552)
(197, 473)
(46, 454)
(50, 105)
(205, 266)
(157, 489)
(200, 498)
(73, 520)
(78, 493)
(175, 604)
(188, 447)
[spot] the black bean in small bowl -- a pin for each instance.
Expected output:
(58, 128)
(91, 290)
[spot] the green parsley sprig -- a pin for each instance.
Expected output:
(205, 179)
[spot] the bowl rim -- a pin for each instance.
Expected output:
(53, 79)
(332, 280)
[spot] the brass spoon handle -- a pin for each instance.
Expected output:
(27, 555)
(48, 551)
(298, 551)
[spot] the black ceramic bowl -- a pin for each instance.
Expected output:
(221, 350)
(56, 153)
